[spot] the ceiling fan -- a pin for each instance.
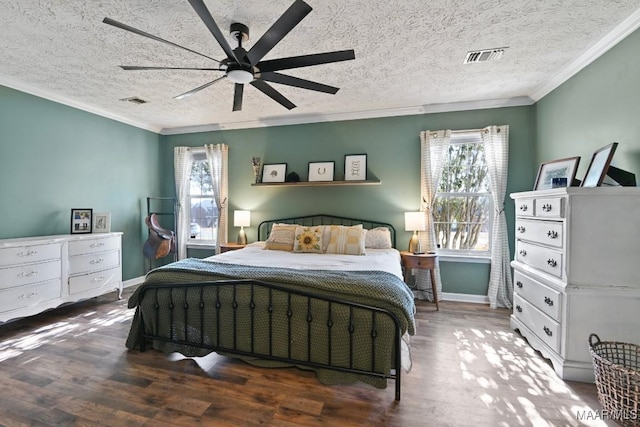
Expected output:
(242, 66)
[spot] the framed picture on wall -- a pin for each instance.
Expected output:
(598, 167)
(563, 169)
(355, 167)
(81, 221)
(101, 222)
(321, 171)
(274, 172)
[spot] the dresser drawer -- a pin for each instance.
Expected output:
(525, 207)
(90, 246)
(28, 296)
(31, 273)
(549, 233)
(94, 262)
(545, 259)
(92, 281)
(549, 207)
(28, 254)
(543, 297)
(547, 329)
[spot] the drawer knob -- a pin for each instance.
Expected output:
(547, 331)
(552, 262)
(524, 208)
(546, 207)
(96, 261)
(519, 284)
(521, 229)
(518, 309)
(523, 252)
(552, 234)
(29, 274)
(548, 301)
(97, 245)
(97, 279)
(27, 253)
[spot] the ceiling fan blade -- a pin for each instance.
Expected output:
(273, 94)
(237, 97)
(139, 68)
(305, 60)
(198, 89)
(297, 82)
(205, 16)
(151, 36)
(289, 19)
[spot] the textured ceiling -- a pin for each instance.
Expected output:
(409, 55)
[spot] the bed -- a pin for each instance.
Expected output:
(340, 314)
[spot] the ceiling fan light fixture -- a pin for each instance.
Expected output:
(240, 76)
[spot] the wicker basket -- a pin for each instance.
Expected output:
(617, 372)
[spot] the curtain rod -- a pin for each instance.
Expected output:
(458, 132)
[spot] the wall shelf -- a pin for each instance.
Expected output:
(315, 183)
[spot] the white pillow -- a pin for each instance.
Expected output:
(378, 238)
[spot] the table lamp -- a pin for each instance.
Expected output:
(414, 221)
(242, 219)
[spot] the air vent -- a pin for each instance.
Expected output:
(135, 100)
(484, 55)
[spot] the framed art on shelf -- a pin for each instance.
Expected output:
(274, 172)
(563, 170)
(597, 169)
(102, 222)
(81, 221)
(321, 171)
(355, 167)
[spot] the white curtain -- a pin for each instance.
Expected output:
(433, 152)
(496, 149)
(182, 161)
(218, 158)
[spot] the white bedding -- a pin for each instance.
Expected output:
(254, 254)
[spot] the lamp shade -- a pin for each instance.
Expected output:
(241, 218)
(414, 221)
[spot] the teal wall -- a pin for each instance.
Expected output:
(54, 158)
(596, 107)
(392, 146)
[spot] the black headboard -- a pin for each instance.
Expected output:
(321, 219)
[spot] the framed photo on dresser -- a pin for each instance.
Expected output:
(564, 169)
(81, 221)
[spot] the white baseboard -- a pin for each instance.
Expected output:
(477, 299)
(133, 282)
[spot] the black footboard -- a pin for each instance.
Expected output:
(251, 318)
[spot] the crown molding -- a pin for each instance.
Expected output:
(612, 38)
(42, 93)
(353, 115)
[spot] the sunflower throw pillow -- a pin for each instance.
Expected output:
(308, 239)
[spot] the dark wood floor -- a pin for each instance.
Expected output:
(69, 367)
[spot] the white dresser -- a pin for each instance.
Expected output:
(576, 272)
(39, 273)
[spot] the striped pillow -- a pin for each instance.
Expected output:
(347, 240)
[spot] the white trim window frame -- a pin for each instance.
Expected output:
(203, 211)
(463, 219)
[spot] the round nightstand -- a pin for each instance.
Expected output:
(226, 247)
(421, 262)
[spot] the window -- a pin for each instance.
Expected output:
(204, 211)
(463, 211)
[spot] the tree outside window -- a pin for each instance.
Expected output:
(462, 209)
(204, 211)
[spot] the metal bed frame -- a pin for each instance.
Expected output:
(235, 300)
